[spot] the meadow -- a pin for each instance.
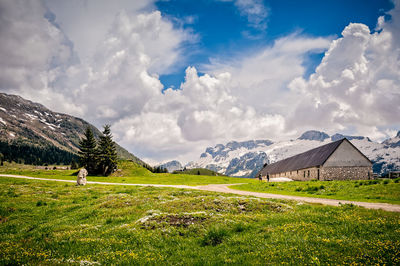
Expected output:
(129, 172)
(50, 223)
(380, 190)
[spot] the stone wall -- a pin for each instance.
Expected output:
(300, 175)
(328, 173)
(346, 173)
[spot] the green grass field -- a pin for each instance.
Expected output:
(129, 173)
(50, 223)
(198, 171)
(383, 190)
(366, 190)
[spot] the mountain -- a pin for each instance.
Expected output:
(172, 166)
(245, 159)
(314, 135)
(31, 126)
(234, 158)
(338, 136)
(393, 142)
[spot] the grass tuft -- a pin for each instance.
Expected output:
(214, 236)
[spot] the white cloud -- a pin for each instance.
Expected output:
(357, 84)
(258, 95)
(255, 11)
(187, 120)
(260, 79)
(75, 17)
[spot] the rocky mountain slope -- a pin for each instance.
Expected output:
(172, 166)
(28, 123)
(246, 158)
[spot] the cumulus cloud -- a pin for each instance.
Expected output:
(202, 111)
(356, 85)
(261, 78)
(33, 50)
(114, 78)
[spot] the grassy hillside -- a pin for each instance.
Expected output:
(35, 127)
(198, 171)
(383, 190)
(50, 223)
(129, 172)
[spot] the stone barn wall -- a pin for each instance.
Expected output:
(328, 173)
(299, 175)
(346, 173)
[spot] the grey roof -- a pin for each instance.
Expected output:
(311, 158)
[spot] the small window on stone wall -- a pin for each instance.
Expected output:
(308, 174)
(304, 173)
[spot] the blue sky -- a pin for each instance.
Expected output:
(224, 32)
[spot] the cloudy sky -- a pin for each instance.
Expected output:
(173, 77)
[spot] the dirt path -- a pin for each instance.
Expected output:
(370, 205)
(224, 188)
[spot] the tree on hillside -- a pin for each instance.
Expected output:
(107, 152)
(88, 152)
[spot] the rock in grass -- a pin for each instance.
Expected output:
(81, 180)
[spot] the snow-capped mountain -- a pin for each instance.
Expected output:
(246, 158)
(234, 158)
(172, 166)
(393, 142)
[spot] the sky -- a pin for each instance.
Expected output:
(174, 77)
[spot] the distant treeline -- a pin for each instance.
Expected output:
(36, 155)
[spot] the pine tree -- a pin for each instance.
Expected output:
(88, 152)
(107, 153)
(74, 165)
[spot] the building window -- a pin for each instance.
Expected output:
(308, 174)
(297, 171)
(304, 172)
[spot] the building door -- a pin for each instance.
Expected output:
(318, 174)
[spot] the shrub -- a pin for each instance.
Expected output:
(214, 236)
(41, 203)
(386, 182)
(298, 189)
(321, 187)
(239, 227)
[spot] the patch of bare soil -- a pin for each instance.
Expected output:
(177, 220)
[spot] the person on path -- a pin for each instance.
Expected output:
(268, 177)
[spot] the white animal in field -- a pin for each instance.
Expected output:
(81, 180)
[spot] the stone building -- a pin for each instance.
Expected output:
(338, 160)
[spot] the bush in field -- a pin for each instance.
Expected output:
(214, 236)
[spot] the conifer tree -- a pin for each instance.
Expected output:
(107, 153)
(88, 152)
